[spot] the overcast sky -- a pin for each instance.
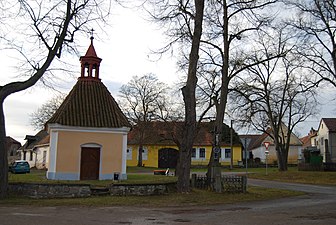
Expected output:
(125, 51)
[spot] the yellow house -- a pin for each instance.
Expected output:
(88, 133)
(160, 149)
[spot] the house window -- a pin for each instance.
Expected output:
(24, 155)
(227, 153)
(129, 153)
(193, 153)
(202, 152)
(322, 140)
(31, 156)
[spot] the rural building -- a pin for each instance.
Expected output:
(258, 148)
(30, 150)
(88, 133)
(326, 139)
(12, 147)
(161, 151)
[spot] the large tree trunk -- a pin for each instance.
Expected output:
(220, 109)
(3, 155)
(282, 155)
(188, 91)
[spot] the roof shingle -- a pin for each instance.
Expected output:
(330, 123)
(90, 104)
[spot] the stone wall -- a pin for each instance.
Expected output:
(141, 189)
(35, 190)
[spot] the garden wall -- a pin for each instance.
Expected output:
(141, 189)
(35, 190)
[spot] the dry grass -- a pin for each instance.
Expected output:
(295, 176)
(196, 197)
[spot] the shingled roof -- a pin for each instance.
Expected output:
(165, 133)
(330, 123)
(89, 103)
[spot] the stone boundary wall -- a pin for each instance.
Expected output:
(36, 190)
(141, 189)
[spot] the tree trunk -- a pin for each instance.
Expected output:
(140, 156)
(220, 109)
(188, 92)
(3, 155)
(282, 155)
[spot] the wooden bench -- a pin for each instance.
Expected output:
(159, 172)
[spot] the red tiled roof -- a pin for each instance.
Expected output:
(306, 142)
(90, 104)
(91, 52)
(330, 123)
(165, 133)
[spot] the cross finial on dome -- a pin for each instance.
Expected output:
(91, 35)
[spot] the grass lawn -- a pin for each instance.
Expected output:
(145, 175)
(38, 176)
(196, 197)
(293, 175)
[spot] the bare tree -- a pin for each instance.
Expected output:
(144, 99)
(43, 31)
(314, 24)
(183, 22)
(45, 112)
(226, 49)
(273, 94)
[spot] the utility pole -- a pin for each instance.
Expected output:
(231, 145)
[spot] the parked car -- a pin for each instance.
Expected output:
(19, 166)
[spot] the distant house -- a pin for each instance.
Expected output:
(248, 141)
(160, 149)
(309, 140)
(12, 147)
(42, 153)
(326, 139)
(258, 148)
(88, 133)
(28, 150)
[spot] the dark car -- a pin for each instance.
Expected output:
(19, 166)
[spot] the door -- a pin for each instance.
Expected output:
(90, 159)
(168, 158)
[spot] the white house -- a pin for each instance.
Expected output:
(30, 150)
(326, 139)
(258, 148)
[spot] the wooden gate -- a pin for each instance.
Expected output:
(90, 159)
(168, 158)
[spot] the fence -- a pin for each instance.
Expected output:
(228, 183)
